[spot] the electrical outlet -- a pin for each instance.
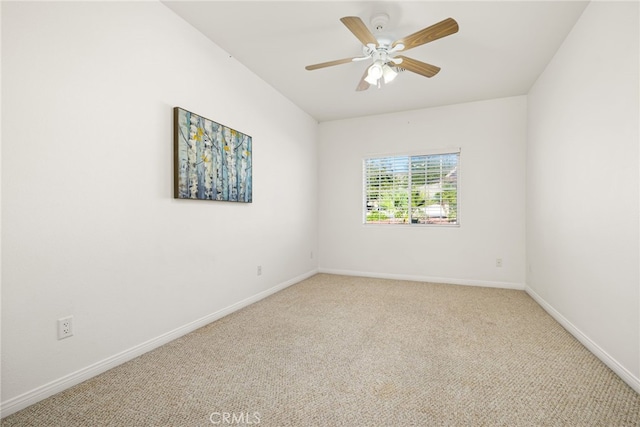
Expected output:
(65, 327)
(259, 270)
(498, 262)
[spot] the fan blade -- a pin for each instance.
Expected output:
(418, 67)
(330, 63)
(357, 27)
(441, 29)
(363, 85)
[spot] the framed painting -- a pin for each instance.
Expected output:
(211, 161)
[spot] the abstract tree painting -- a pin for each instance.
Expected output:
(211, 161)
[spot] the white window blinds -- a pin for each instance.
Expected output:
(420, 189)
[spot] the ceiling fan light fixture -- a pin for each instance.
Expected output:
(371, 80)
(375, 72)
(388, 73)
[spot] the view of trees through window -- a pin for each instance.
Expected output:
(412, 189)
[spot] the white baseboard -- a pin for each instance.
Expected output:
(594, 348)
(431, 279)
(29, 398)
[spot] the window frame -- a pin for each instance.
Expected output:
(410, 155)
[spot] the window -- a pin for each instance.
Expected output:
(420, 189)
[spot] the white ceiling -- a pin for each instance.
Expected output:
(499, 51)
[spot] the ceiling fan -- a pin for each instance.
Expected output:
(383, 51)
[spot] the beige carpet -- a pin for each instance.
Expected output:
(347, 351)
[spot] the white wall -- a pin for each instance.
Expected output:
(90, 228)
(582, 185)
(491, 135)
